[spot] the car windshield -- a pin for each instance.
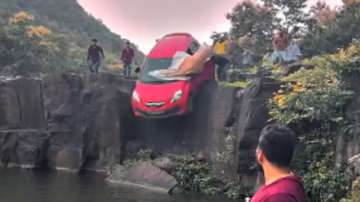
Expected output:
(151, 65)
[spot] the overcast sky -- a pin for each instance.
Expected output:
(143, 21)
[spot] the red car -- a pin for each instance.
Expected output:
(155, 97)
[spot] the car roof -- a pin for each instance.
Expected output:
(170, 44)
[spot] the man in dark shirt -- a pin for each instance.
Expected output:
(95, 56)
(274, 154)
(127, 57)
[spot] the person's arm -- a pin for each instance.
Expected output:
(281, 198)
(102, 53)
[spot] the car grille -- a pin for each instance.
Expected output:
(155, 104)
(159, 114)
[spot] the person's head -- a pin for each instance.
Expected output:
(94, 41)
(280, 40)
(128, 44)
(276, 146)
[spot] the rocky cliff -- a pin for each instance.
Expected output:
(77, 122)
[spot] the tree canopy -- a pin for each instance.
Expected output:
(66, 31)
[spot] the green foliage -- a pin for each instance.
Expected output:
(251, 31)
(313, 160)
(288, 13)
(237, 84)
(196, 176)
(248, 18)
(343, 30)
(314, 95)
(71, 32)
(193, 175)
(312, 102)
(347, 61)
(28, 47)
(327, 185)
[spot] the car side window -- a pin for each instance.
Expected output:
(193, 47)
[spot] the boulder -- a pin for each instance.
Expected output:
(146, 175)
(164, 163)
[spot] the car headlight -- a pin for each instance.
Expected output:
(136, 96)
(177, 96)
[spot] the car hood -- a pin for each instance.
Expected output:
(159, 92)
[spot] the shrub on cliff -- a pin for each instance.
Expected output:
(312, 102)
(197, 176)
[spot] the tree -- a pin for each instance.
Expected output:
(288, 13)
(251, 23)
(322, 14)
(350, 2)
(29, 48)
(339, 32)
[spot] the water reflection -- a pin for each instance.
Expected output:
(39, 186)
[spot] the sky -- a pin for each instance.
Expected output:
(144, 21)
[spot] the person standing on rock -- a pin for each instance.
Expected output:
(127, 57)
(95, 56)
(274, 154)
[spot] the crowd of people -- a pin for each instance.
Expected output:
(285, 52)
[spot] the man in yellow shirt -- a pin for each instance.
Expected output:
(220, 49)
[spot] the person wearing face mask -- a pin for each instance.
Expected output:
(274, 153)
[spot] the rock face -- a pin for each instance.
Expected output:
(198, 131)
(349, 145)
(248, 117)
(84, 117)
(72, 122)
(24, 148)
(21, 104)
(67, 121)
(253, 116)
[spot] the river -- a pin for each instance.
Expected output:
(43, 186)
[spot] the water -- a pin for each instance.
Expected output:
(39, 186)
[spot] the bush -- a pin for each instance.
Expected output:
(313, 102)
(197, 176)
(313, 95)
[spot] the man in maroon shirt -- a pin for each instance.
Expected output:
(95, 56)
(127, 58)
(274, 154)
